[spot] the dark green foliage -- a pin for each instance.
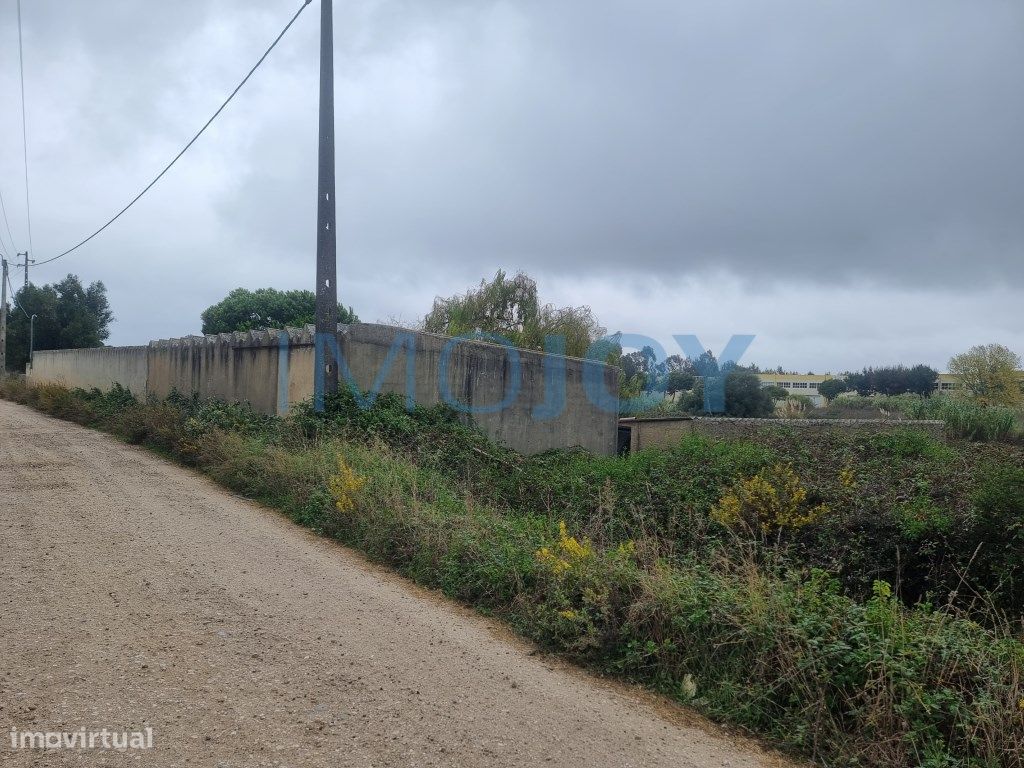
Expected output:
(894, 380)
(69, 316)
(998, 531)
(832, 388)
(245, 310)
(744, 396)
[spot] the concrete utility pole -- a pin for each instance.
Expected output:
(3, 319)
(32, 339)
(25, 265)
(326, 240)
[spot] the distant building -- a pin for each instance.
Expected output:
(797, 384)
(807, 384)
(949, 382)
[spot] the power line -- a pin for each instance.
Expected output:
(3, 208)
(14, 300)
(190, 143)
(24, 131)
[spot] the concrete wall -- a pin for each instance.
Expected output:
(659, 433)
(98, 368)
(480, 374)
(238, 367)
(256, 368)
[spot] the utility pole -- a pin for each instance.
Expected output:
(25, 265)
(3, 319)
(32, 339)
(326, 240)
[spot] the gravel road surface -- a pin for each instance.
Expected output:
(136, 594)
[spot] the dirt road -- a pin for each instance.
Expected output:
(135, 594)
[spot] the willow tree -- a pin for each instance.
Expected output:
(510, 308)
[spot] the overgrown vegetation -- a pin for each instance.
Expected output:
(69, 315)
(856, 598)
(990, 374)
(245, 310)
(509, 309)
(967, 419)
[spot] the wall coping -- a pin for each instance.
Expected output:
(822, 422)
(767, 422)
(305, 336)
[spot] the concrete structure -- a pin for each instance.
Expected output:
(664, 432)
(807, 384)
(98, 368)
(797, 384)
(271, 373)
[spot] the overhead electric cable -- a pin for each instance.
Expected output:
(3, 209)
(186, 147)
(24, 132)
(13, 297)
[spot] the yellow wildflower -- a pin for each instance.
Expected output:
(772, 499)
(344, 486)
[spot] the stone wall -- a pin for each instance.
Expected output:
(661, 432)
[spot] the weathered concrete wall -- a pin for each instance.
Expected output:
(239, 367)
(257, 368)
(98, 368)
(480, 374)
(659, 433)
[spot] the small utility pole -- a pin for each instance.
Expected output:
(326, 241)
(25, 265)
(3, 319)
(32, 339)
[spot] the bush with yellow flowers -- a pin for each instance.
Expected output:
(581, 588)
(344, 486)
(771, 501)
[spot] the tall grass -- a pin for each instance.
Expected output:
(964, 418)
(780, 650)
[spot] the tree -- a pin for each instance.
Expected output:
(673, 374)
(641, 363)
(989, 374)
(679, 381)
(893, 380)
(69, 316)
(744, 395)
(245, 310)
(830, 389)
(510, 308)
(922, 380)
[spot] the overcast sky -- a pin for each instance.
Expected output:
(845, 180)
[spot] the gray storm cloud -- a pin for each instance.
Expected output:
(819, 143)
